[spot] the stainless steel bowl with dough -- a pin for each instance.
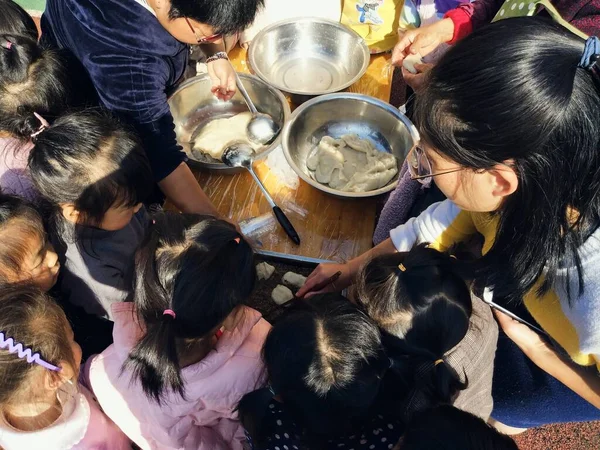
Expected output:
(308, 56)
(205, 125)
(348, 145)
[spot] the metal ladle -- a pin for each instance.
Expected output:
(241, 154)
(261, 129)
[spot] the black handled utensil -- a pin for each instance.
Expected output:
(242, 155)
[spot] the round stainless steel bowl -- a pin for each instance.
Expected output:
(308, 56)
(193, 105)
(344, 113)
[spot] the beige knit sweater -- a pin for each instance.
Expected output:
(472, 359)
(473, 356)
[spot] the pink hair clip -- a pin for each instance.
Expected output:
(237, 240)
(25, 353)
(8, 45)
(43, 125)
(169, 312)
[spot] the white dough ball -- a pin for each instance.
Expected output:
(281, 294)
(264, 271)
(410, 61)
(294, 279)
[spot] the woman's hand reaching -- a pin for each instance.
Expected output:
(321, 274)
(422, 40)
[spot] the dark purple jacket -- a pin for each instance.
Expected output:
(132, 61)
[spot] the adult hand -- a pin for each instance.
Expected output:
(531, 342)
(223, 79)
(417, 80)
(322, 273)
(422, 40)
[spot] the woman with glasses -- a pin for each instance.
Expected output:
(511, 135)
(135, 52)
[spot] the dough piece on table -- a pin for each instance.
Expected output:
(219, 133)
(410, 61)
(264, 271)
(294, 279)
(281, 294)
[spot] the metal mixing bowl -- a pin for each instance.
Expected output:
(193, 105)
(344, 113)
(308, 56)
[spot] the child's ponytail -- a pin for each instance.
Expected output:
(424, 308)
(154, 360)
(191, 273)
(17, 53)
(419, 378)
(32, 80)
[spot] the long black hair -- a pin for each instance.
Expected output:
(15, 20)
(89, 159)
(512, 93)
(449, 428)
(201, 269)
(325, 360)
(424, 307)
(32, 79)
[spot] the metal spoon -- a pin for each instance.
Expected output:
(261, 129)
(241, 154)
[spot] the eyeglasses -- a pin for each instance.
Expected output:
(419, 166)
(205, 39)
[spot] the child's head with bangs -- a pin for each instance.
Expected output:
(26, 256)
(92, 168)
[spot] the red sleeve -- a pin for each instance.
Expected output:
(470, 16)
(462, 24)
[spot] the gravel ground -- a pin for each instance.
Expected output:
(566, 436)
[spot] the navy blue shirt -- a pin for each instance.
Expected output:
(132, 61)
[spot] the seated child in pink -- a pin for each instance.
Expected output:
(43, 405)
(186, 350)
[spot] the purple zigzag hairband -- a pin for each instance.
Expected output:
(25, 353)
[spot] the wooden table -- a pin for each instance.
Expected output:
(329, 227)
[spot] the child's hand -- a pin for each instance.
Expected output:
(422, 40)
(223, 79)
(322, 273)
(416, 80)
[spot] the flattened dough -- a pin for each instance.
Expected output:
(214, 138)
(281, 294)
(294, 279)
(264, 271)
(351, 164)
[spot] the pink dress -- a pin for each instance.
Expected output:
(82, 426)
(14, 174)
(205, 418)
